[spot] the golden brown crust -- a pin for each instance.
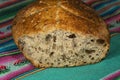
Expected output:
(44, 15)
(47, 15)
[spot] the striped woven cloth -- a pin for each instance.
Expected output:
(12, 62)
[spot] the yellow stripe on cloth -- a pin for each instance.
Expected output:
(21, 77)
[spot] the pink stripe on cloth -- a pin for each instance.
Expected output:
(10, 2)
(117, 29)
(7, 59)
(17, 72)
(109, 20)
(8, 22)
(5, 35)
(90, 1)
(14, 65)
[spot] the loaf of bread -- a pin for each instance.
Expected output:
(60, 33)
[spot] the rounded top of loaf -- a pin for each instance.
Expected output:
(43, 16)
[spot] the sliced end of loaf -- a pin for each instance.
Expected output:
(62, 48)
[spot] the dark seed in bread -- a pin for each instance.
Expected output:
(51, 54)
(54, 38)
(89, 51)
(72, 36)
(48, 37)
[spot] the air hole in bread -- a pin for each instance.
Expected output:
(97, 54)
(92, 58)
(84, 62)
(92, 40)
(48, 63)
(72, 36)
(54, 60)
(100, 41)
(48, 37)
(51, 54)
(42, 50)
(82, 56)
(105, 45)
(21, 44)
(35, 48)
(39, 48)
(40, 62)
(75, 45)
(89, 51)
(58, 59)
(70, 51)
(76, 54)
(63, 57)
(54, 38)
(51, 63)
(88, 42)
(66, 65)
(45, 59)
(54, 46)
(58, 63)
(108, 50)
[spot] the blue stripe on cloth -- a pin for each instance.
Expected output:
(6, 28)
(102, 4)
(10, 45)
(5, 43)
(110, 11)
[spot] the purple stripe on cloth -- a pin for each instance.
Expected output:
(17, 72)
(4, 60)
(89, 1)
(112, 76)
(115, 30)
(7, 22)
(109, 20)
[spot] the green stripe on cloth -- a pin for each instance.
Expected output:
(15, 5)
(7, 17)
(9, 12)
(2, 1)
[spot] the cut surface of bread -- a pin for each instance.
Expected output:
(60, 33)
(62, 48)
